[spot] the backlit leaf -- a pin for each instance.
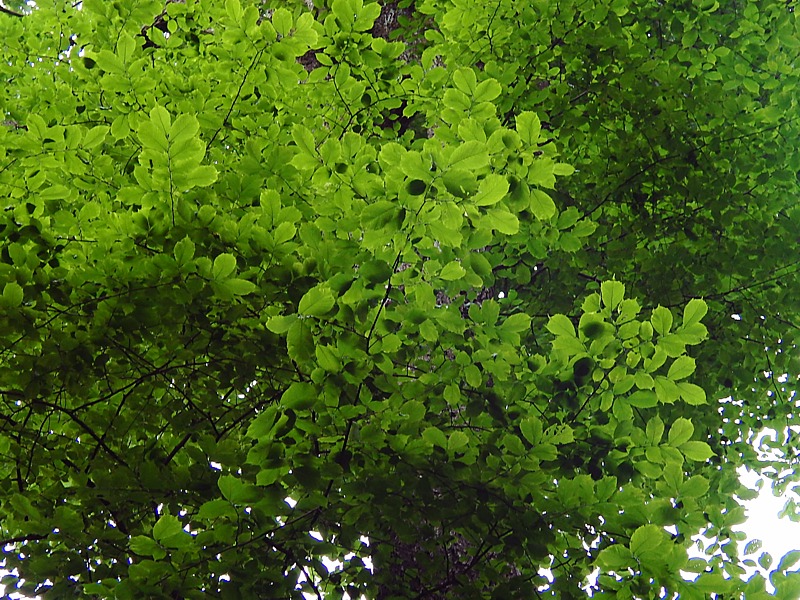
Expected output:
(13, 294)
(317, 302)
(681, 368)
(542, 205)
(694, 311)
(695, 450)
(561, 325)
(680, 432)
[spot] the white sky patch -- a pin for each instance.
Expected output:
(778, 535)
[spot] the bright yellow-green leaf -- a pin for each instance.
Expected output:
(697, 451)
(502, 220)
(561, 325)
(612, 293)
(680, 432)
(470, 156)
(95, 136)
(452, 271)
(661, 320)
(239, 287)
(282, 21)
(563, 169)
(528, 127)
(542, 205)
(691, 393)
(13, 294)
(646, 540)
(694, 311)
(317, 301)
(487, 90)
(517, 323)
(458, 440)
(491, 190)
(681, 368)
(224, 266)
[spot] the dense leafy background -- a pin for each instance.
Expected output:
(463, 281)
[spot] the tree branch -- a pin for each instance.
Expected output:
(8, 11)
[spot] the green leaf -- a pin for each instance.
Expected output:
(126, 46)
(531, 429)
(680, 432)
(559, 434)
(691, 393)
(491, 190)
(647, 539)
(300, 342)
(153, 133)
(457, 441)
(282, 21)
(345, 15)
(435, 437)
(643, 399)
(694, 311)
(697, 451)
(661, 320)
(224, 266)
(615, 558)
(560, 325)
(695, 487)
(464, 79)
(542, 205)
(681, 368)
(502, 220)
(236, 491)
(304, 139)
(234, 10)
(752, 547)
(167, 529)
(184, 251)
(413, 411)
(429, 331)
(327, 358)
(469, 156)
(528, 127)
(649, 469)
(612, 293)
(145, 546)
(517, 323)
(317, 302)
(672, 345)
(199, 176)
(263, 424)
(563, 169)
(299, 396)
(95, 136)
(487, 90)
(13, 294)
(213, 509)
(788, 561)
(182, 131)
(281, 324)
(655, 429)
(239, 287)
(452, 271)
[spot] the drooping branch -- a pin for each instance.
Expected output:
(8, 11)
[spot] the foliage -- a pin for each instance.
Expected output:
(444, 287)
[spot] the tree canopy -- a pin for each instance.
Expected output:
(478, 299)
